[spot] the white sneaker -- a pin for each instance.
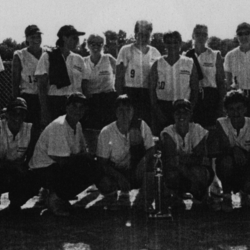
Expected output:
(58, 206)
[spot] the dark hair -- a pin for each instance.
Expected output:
(235, 96)
(123, 100)
(199, 27)
(143, 24)
(172, 35)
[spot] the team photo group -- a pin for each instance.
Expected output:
(189, 111)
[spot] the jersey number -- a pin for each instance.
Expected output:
(132, 73)
(161, 85)
(32, 80)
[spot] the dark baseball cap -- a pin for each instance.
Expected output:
(243, 26)
(182, 104)
(77, 97)
(18, 103)
(69, 30)
(32, 30)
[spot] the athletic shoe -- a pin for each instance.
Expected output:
(58, 206)
(42, 198)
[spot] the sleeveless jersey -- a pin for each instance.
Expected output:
(101, 76)
(28, 80)
(174, 81)
(207, 61)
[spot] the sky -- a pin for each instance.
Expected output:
(98, 16)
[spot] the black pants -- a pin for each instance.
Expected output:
(57, 106)
(66, 181)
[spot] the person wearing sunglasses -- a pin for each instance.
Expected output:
(133, 67)
(99, 84)
(211, 79)
(59, 73)
(24, 82)
(237, 62)
(173, 77)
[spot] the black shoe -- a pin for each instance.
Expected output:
(11, 210)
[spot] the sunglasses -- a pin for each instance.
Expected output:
(242, 33)
(96, 44)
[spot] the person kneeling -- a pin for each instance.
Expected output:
(183, 152)
(125, 150)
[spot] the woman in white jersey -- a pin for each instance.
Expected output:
(212, 89)
(133, 67)
(99, 83)
(24, 64)
(173, 77)
(60, 73)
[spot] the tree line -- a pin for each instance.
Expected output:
(115, 40)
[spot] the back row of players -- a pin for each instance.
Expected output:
(152, 83)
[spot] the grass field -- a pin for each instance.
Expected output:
(91, 227)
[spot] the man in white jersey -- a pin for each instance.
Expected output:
(125, 149)
(233, 134)
(237, 62)
(133, 67)
(173, 77)
(59, 73)
(183, 153)
(1, 65)
(16, 148)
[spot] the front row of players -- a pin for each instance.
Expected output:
(125, 152)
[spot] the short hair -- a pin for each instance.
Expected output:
(123, 100)
(235, 96)
(172, 35)
(243, 26)
(92, 36)
(143, 25)
(199, 27)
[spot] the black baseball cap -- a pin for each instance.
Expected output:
(32, 30)
(77, 97)
(18, 103)
(243, 26)
(69, 30)
(182, 104)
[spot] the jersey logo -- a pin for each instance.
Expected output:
(77, 68)
(208, 64)
(184, 72)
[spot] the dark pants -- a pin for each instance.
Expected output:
(141, 101)
(233, 177)
(34, 110)
(66, 181)
(101, 111)
(56, 106)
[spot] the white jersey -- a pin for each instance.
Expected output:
(207, 61)
(58, 139)
(76, 69)
(194, 136)
(241, 140)
(29, 62)
(238, 64)
(1, 65)
(137, 65)
(174, 81)
(12, 147)
(113, 145)
(101, 76)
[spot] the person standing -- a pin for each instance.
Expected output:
(59, 73)
(237, 63)
(99, 84)
(211, 79)
(133, 67)
(24, 82)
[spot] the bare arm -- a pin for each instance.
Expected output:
(113, 63)
(16, 76)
